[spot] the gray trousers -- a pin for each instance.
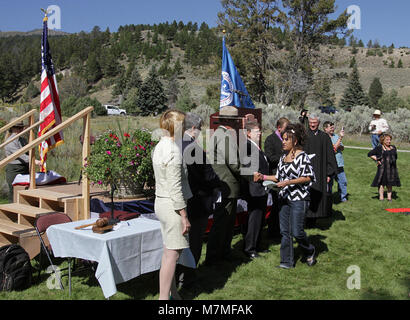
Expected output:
(12, 170)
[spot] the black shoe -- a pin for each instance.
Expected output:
(311, 260)
(252, 255)
(284, 266)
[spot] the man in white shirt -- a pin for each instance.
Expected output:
(377, 127)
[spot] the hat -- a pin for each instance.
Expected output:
(228, 111)
(19, 124)
(377, 112)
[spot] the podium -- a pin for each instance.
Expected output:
(239, 122)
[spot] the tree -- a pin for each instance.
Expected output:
(92, 70)
(309, 26)
(212, 96)
(178, 68)
(131, 103)
(72, 86)
(391, 101)
(31, 92)
(185, 102)
(352, 62)
(71, 105)
(370, 44)
(10, 78)
(400, 64)
(110, 66)
(172, 90)
(134, 80)
(322, 93)
(248, 25)
(354, 94)
(151, 96)
(375, 93)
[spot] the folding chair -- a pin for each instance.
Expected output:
(41, 224)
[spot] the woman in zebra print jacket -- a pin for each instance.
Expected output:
(294, 178)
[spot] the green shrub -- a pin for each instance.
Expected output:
(70, 106)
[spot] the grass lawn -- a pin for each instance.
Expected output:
(359, 233)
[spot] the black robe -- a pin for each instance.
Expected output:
(387, 173)
(324, 165)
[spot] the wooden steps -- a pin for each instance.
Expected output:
(21, 213)
(17, 219)
(44, 194)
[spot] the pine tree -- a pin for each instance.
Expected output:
(93, 70)
(352, 62)
(322, 92)
(134, 80)
(131, 103)
(400, 64)
(353, 95)
(375, 92)
(151, 96)
(110, 66)
(370, 44)
(185, 102)
(172, 90)
(178, 67)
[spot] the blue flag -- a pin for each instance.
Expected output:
(233, 91)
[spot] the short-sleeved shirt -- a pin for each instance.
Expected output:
(339, 157)
(299, 167)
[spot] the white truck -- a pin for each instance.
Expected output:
(114, 110)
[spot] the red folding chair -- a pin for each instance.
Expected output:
(41, 224)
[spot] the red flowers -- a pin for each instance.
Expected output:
(126, 135)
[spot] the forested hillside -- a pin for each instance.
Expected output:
(144, 67)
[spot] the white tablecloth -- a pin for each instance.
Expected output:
(123, 254)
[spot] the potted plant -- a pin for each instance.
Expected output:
(122, 161)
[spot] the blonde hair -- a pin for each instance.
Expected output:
(171, 120)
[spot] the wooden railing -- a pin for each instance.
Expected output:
(33, 143)
(29, 115)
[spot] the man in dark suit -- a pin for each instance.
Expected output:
(202, 181)
(273, 151)
(255, 193)
(224, 158)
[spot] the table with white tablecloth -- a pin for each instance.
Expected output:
(133, 248)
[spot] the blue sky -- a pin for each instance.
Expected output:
(386, 21)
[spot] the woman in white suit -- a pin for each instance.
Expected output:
(171, 194)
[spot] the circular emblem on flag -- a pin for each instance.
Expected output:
(226, 89)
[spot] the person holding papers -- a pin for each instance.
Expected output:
(294, 177)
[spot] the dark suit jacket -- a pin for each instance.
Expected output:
(257, 157)
(273, 150)
(201, 177)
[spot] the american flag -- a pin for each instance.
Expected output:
(49, 102)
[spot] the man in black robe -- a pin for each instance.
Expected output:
(325, 166)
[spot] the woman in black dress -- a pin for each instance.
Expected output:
(387, 175)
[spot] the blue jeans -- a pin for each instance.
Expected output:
(341, 183)
(375, 140)
(291, 219)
